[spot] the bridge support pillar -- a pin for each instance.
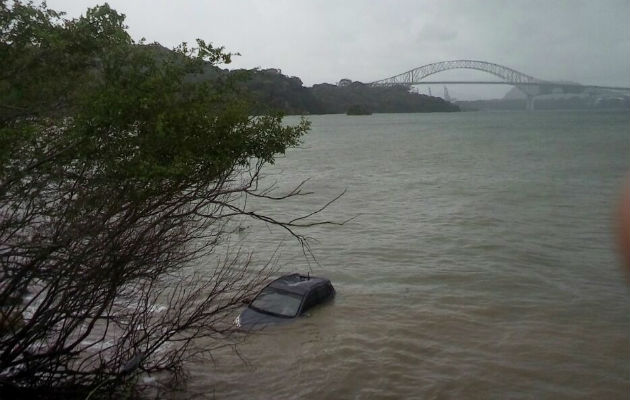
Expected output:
(530, 103)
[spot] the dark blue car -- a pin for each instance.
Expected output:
(285, 298)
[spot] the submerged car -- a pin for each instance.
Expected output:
(284, 299)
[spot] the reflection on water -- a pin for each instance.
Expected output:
(480, 264)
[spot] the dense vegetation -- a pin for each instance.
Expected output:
(272, 90)
(336, 99)
(121, 166)
(269, 90)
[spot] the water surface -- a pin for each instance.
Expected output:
(480, 263)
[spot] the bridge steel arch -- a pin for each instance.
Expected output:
(508, 75)
(525, 83)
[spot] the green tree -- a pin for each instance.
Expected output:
(119, 168)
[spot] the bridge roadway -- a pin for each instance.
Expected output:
(554, 84)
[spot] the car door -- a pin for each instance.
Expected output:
(318, 295)
(312, 299)
(327, 292)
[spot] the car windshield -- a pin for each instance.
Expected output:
(277, 302)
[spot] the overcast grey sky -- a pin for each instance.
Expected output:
(326, 40)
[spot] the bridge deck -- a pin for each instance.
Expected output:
(554, 84)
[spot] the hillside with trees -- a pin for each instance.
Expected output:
(270, 89)
(337, 99)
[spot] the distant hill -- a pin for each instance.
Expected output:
(337, 99)
(270, 89)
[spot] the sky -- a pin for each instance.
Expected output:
(327, 40)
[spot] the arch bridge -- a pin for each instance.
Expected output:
(529, 85)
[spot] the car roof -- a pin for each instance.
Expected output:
(297, 283)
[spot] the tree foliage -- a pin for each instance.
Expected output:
(120, 169)
(337, 99)
(272, 90)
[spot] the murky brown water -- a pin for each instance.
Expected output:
(480, 264)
